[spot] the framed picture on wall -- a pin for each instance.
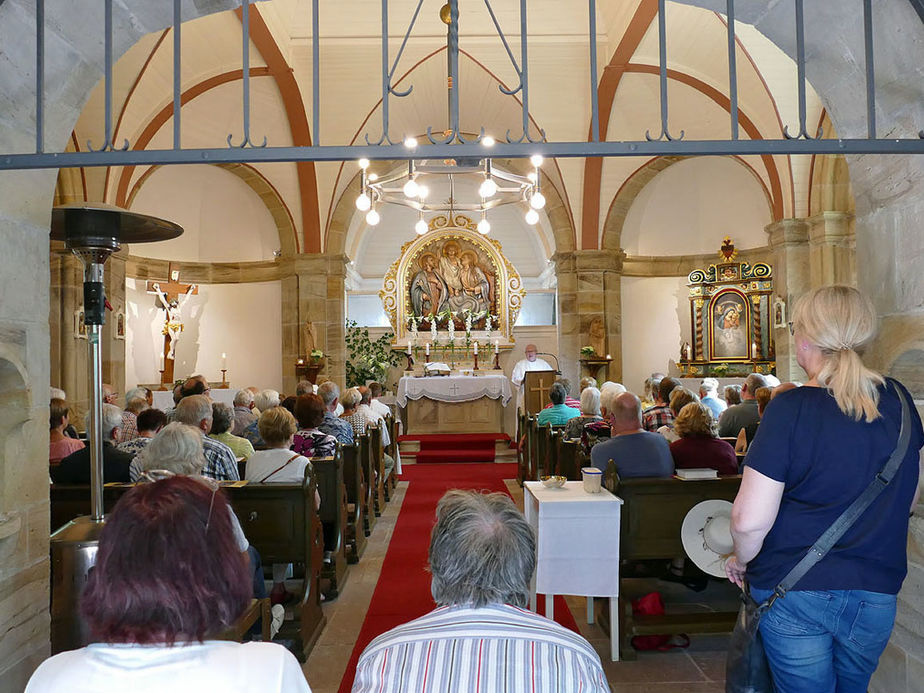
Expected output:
(80, 325)
(779, 312)
(119, 324)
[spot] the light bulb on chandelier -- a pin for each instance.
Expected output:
(364, 164)
(420, 227)
(484, 226)
(373, 218)
(537, 201)
(411, 189)
(536, 160)
(363, 202)
(488, 188)
(532, 217)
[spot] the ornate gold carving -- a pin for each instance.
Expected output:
(509, 286)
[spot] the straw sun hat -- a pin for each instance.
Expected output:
(706, 536)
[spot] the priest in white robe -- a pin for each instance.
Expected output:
(530, 363)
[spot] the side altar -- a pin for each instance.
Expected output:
(453, 298)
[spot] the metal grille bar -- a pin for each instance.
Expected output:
(455, 144)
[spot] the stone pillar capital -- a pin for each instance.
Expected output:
(605, 260)
(787, 232)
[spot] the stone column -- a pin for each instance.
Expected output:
(791, 277)
(314, 291)
(589, 286)
(832, 249)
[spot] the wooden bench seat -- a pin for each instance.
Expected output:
(652, 514)
(355, 535)
(333, 513)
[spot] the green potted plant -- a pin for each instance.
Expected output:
(367, 359)
(588, 352)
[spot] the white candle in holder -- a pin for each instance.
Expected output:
(476, 348)
(496, 346)
(427, 352)
(409, 348)
(224, 362)
(161, 362)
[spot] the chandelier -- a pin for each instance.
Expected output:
(413, 186)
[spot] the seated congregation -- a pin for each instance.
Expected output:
(320, 459)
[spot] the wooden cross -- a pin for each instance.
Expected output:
(171, 290)
(542, 390)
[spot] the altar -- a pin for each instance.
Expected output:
(454, 403)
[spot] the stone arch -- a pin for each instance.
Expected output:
(256, 181)
(635, 183)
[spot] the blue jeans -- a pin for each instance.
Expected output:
(825, 642)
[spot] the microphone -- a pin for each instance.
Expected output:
(557, 366)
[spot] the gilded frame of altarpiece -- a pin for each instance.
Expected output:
(731, 306)
(483, 281)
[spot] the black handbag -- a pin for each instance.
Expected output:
(746, 667)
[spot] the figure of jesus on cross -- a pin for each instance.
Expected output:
(172, 295)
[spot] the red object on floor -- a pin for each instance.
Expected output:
(403, 589)
(460, 447)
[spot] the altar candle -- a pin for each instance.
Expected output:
(427, 352)
(495, 346)
(476, 348)
(161, 362)
(409, 347)
(224, 362)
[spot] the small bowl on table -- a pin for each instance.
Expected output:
(553, 481)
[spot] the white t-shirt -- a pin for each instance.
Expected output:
(263, 462)
(210, 666)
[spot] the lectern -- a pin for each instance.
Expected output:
(536, 386)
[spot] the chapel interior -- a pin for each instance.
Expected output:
(282, 261)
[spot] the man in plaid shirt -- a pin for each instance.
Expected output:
(660, 414)
(220, 463)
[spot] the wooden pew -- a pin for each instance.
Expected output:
(279, 520)
(532, 443)
(652, 514)
(377, 465)
(355, 535)
(282, 523)
(570, 458)
(364, 452)
(333, 513)
(522, 449)
(392, 422)
(545, 460)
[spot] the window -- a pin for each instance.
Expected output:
(538, 308)
(366, 310)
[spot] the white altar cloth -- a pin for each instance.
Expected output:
(454, 388)
(577, 546)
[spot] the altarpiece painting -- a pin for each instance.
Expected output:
(731, 314)
(455, 279)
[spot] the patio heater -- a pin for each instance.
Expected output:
(92, 233)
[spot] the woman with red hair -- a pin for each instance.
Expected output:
(169, 578)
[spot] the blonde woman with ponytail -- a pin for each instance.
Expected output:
(816, 450)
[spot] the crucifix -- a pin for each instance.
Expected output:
(171, 295)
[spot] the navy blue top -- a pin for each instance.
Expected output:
(826, 459)
(635, 454)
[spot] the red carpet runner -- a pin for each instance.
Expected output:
(462, 447)
(403, 590)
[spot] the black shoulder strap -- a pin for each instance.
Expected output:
(833, 534)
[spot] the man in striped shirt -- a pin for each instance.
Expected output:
(481, 638)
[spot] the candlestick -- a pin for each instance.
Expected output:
(224, 382)
(495, 347)
(476, 360)
(496, 360)
(162, 388)
(410, 360)
(224, 362)
(475, 348)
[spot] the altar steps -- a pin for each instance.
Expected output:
(455, 447)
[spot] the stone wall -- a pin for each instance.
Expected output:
(73, 65)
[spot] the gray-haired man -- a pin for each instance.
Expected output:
(481, 637)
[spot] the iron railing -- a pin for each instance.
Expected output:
(453, 143)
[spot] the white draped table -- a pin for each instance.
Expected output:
(454, 403)
(577, 546)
